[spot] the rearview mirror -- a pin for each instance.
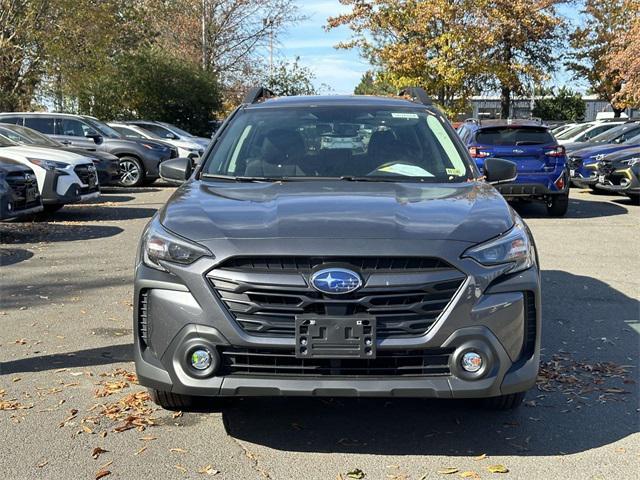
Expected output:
(498, 170)
(176, 170)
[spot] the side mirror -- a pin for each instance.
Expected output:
(498, 170)
(176, 169)
(171, 136)
(95, 136)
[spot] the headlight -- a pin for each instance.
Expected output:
(631, 162)
(159, 245)
(48, 164)
(513, 247)
(158, 148)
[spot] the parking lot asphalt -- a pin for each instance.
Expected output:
(66, 393)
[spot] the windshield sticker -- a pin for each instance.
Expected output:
(404, 115)
(406, 170)
(447, 144)
(454, 171)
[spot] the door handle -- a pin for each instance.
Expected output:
(65, 142)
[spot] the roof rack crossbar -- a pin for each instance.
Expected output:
(257, 94)
(417, 94)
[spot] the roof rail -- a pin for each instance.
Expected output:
(477, 121)
(257, 94)
(417, 94)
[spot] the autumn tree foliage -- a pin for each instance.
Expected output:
(455, 48)
(594, 42)
(624, 61)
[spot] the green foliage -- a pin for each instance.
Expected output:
(150, 84)
(374, 83)
(291, 78)
(592, 44)
(565, 105)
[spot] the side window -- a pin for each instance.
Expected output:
(71, 127)
(11, 120)
(596, 131)
(157, 130)
(40, 123)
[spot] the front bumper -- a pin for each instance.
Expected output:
(500, 319)
(620, 181)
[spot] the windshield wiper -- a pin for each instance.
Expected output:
(244, 179)
(399, 178)
(528, 142)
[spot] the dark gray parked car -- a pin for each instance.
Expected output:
(281, 268)
(19, 194)
(139, 159)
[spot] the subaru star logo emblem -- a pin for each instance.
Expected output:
(336, 280)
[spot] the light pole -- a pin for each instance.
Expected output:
(204, 35)
(268, 23)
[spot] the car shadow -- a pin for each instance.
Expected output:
(550, 423)
(577, 209)
(81, 358)
(98, 212)
(12, 256)
(36, 232)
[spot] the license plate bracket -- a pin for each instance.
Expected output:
(335, 337)
(31, 195)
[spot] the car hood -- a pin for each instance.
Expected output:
(573, 146)
(603, 149)
(471, 212)
(624, 154)
(23, 151)
(202, 141)
(8, 165)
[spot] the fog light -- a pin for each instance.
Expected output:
(200, 359)
(471, 362)
(9, 206)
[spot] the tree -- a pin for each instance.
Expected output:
(24, 28)
(565, 105)
(291, 78)
(151, 84)
(374, 83)
(455, 48)
(432, 44)
(624, 61)
(594, 43)
(518, 44)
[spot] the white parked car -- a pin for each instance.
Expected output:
(586, 131)
(167, 131)
(185, 148)
(63, 177)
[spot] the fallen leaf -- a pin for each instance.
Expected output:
(469, 474)
(16, 379)
(97, 452)
(148, 438)
(497, 469)
(208, 470)
(102, 474)
(356, 474)
(140, 451)
(480, 457)
(42, 464)
(448, 471)
(177, 450)
(181, 468)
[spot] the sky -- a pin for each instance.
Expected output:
(341, 69)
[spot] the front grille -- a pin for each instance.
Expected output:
(283, 362)
(574, 162)
(21, 184)
(88, 176)
(265, 295)
(143, 317)
(605, 167)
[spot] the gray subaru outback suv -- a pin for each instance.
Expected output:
(337, 246)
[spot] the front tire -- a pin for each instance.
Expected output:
(131, 172)
(504, 402)
(557, 205)
(172, 401)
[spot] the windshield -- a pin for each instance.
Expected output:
(573, 131)
(176, 130)
(130, 132)
(338, 142)
(5, 142)
(102, 128)
(611, 135)
(27, 136)
(514, 136)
